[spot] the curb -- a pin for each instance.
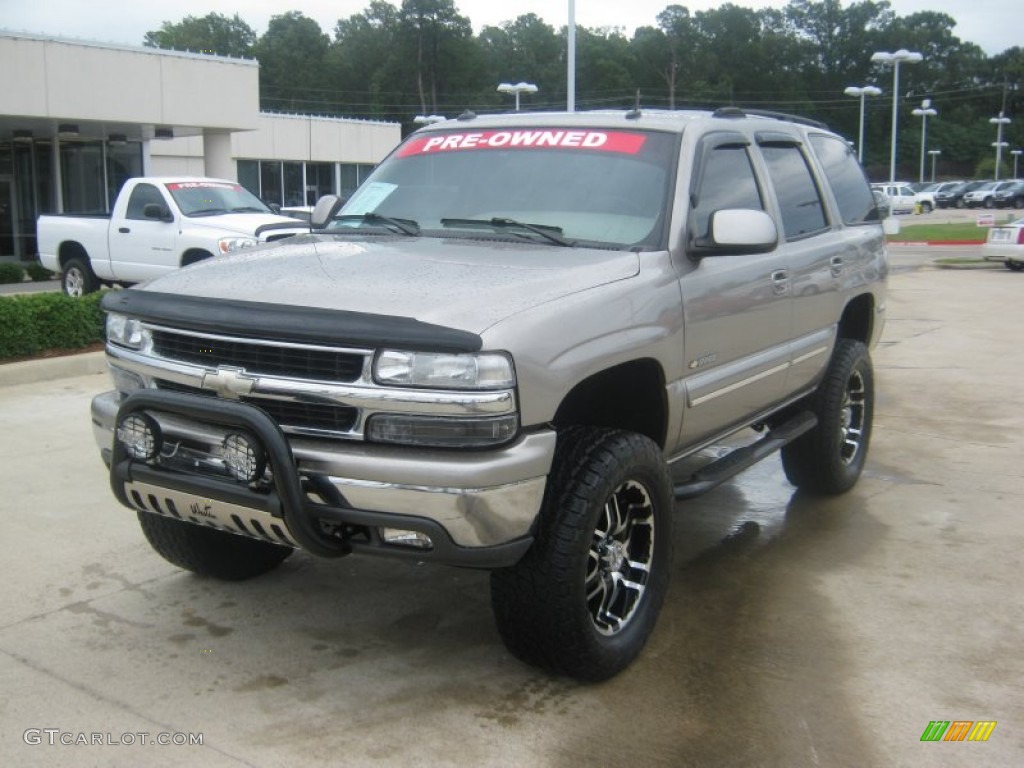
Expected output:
(48, 369)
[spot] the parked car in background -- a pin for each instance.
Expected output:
(901, 196)
(981, 197)
(1009, 196)
(954, 196)
(157, 225)
(925, 196)
(1006, 244)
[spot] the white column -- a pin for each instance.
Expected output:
(217, 158)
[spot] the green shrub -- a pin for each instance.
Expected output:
(40, 322)
(11, 273)
(38, 273)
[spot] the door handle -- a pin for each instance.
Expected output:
(123, 230)
(780, 282)
(835, 265)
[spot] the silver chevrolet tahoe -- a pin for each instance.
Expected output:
(498, 354)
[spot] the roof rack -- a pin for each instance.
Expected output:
(738, 112)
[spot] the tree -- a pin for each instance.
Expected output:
(435, 35)
(210, 34)
(292, 56)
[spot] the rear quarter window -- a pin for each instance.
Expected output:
(847, 180)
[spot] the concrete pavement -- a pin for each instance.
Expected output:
(797, 631)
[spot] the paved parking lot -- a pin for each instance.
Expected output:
(797, 631)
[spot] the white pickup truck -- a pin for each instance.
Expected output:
(157, 226)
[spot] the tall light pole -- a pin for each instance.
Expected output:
(862, 91)
(517, 89)
(902, 56)
(924, 112)
(999, 122)
(1016, 156)
(935, 156)
(570, 75)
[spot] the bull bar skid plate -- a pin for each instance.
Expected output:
(286, 501)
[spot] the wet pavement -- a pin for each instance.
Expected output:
(797, 632)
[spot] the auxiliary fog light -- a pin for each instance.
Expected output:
(403, 538)
(244, 457)
(140, 436)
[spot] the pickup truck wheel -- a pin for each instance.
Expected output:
(829, 459)
(1016, 266)
(210, 552)
(585, 597)
(78, 278)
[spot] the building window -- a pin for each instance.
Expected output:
(294, 192)
(81, 175)
(123, 163)
(270, 182)
(249, 175)
(352, 175)
(319, 181)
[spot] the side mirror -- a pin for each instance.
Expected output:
(157, 211)
(326, 208)
(737, 231)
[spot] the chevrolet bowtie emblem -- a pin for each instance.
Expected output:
(231, 383)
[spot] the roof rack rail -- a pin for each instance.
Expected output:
(737, 112)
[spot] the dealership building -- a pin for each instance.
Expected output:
(79, 118)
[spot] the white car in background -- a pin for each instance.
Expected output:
(1005, 243)
(902, 197)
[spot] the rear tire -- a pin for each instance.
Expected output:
(585, 597)
(78, 278)
(830, 458)
(209, 552)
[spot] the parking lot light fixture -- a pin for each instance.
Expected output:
(999, 122)
(902, 56)
(517, 88)
(428, 119)
(862, 91)
(924, 112)
(935, 156)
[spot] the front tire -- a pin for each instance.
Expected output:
(830, 458)
(585, 597)
(209, 552)
(78, 278)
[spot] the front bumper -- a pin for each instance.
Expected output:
(329, 497)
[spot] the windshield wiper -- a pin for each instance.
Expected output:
(550, 233)
(207, 212)
(250, 209)
(405, 226)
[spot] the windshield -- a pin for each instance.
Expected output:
(592, 186)
(208, 198)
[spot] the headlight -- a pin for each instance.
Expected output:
(126, 331)
(231, 244)
(439, 370)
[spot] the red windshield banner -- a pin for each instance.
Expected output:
(601, 141)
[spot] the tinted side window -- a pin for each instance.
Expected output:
(799, 199)
(727, 181)
(143, 195)
(846, 177)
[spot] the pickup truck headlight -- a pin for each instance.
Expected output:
(231, 244)
(439, 370)
(126, 331)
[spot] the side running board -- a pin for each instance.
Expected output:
(718, 471)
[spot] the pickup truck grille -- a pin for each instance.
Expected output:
(294, 417)
(290, 361)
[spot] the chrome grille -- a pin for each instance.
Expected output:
(291, 416)
(292, 361)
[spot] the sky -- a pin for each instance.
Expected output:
(994, 25)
